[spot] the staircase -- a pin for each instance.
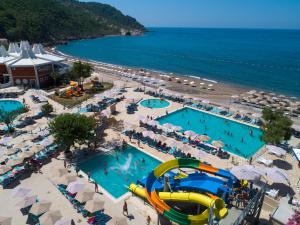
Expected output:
(269, 204)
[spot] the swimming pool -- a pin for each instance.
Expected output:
(10, 105)
(236, 136)
(123, 167)
(155, 103)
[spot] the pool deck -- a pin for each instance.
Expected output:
(42, 183)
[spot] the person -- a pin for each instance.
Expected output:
(105, 171)
(148, 220)
(96, 187)
(77, 170)
(125, 208)
(89, 176)
(139, 142)
(65, 163)
(143, 160)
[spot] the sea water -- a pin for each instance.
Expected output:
(261, 59)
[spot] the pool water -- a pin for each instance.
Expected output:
(10, 105)
(155, 103)
(123, 167)
(236, 136)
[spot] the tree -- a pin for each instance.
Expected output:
(47, 109)
(55, 76)
(80, 71)
(69, 129)
(8, 117)
(276, 126)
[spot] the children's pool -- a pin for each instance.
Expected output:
(236, 136)
(10, 105)
(155, 103)
(114, 171)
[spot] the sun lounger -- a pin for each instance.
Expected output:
(273, 193)
(267, 162)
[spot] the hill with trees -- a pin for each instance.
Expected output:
(54, 21)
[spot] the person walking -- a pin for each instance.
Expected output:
(77, 170)
(96, 187)
(89, 176)
(148, 220)
(125, 208)
(65, 163)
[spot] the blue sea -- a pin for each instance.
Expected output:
(260, 59)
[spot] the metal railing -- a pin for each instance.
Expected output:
(252, 207)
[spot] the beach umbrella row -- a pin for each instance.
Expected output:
(251, 172)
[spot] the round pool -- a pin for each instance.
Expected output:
(155, 103)
(10, 105)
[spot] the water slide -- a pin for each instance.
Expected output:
(156, 199)
(220, 210)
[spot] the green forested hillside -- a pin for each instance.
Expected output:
(56, 20)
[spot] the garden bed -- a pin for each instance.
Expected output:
(89, 92)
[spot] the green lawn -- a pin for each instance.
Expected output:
(73, 101)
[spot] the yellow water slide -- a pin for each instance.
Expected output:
(219, 207)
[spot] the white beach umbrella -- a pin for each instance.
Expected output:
(85, 195)
(161, 138)
(50, 218)
(63, 221)
(5, 220)
(75, 187)
(40, 207)
(153, 123)
(189, 133)
(4, 169)
(15, 162)
(141, 117)
(26, 154)
(218, 144)
(247, 172)
(20, 145)
(11, 151)
(36, 148)
(204, 138)
(27, 201)
(168, 125)
(276, 175)
(276, 150)
(93, 206)
(66, 179)
(174, 144)
(205, 101)
(20, 192)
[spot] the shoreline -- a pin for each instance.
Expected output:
(222, 90)
(222, 94)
